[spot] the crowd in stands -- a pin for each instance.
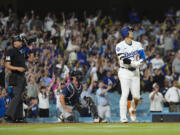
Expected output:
(62, 44)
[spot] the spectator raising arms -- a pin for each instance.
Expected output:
(43, 96)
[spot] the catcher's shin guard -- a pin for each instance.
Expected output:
(70, 119)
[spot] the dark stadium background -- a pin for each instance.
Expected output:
(153, 9)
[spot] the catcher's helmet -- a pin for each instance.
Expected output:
(76, 74)
(125, 31)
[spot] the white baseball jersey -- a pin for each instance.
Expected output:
(129, 73)
(124, 50)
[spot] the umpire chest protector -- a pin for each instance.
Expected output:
(74, 94)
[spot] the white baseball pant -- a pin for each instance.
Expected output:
(130, 81)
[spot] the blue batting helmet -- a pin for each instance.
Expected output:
(125, 31)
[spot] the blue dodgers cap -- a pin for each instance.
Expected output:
(124, 31)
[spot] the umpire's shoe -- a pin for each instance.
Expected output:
(8, 119)
(21, 120)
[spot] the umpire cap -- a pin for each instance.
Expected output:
(125, 31)
(17, 38)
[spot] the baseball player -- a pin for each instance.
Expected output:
(130, 55)
(70, 101)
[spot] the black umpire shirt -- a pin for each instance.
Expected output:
(17, 58)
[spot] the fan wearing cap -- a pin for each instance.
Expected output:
(15, 62)
(130, 56)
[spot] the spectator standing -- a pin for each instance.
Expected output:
(165, 88)
(87, 91)
(3, 106)
(156, 99)
(46, 79)
(147, 80)
(176, 66)
(168, 41)
(159, 77)
(103, 101)
(108, 79)
(43, 96)
(31, 88)
(58, 91)
(173, 97)
(94, 66)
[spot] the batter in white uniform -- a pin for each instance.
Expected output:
(130, 55)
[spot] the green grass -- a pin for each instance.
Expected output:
(91, 129)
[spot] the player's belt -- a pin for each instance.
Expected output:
(131, 69)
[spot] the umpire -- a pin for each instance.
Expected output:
(15, 61)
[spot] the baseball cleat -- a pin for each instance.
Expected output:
(132, 114)
(124, 121)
